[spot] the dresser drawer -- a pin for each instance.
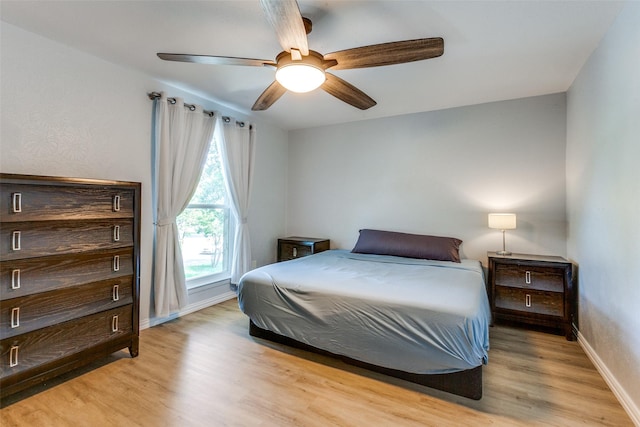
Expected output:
(36, 348)
(34, 239)
(22, 202)
(29, 276)
(530, 277)
(26, 314)
(529, 301)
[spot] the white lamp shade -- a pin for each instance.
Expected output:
(502, 221)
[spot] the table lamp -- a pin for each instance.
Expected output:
(502, 221)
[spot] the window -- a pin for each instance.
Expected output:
(206, 225)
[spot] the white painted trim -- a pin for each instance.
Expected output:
(189, 309)
(625, 400)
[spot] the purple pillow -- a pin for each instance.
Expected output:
(408, 245)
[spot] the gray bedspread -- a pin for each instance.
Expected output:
(417, 316)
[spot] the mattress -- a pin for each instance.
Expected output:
(412, 315)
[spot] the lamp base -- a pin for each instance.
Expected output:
(504, 253)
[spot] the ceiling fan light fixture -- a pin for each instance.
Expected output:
(300, 78)
(300, 73)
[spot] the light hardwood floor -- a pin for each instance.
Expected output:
(205, 370)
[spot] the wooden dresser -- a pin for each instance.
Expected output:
(533, 289)
(297, 247)
(69, 281)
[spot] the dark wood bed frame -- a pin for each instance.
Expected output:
(465, 383)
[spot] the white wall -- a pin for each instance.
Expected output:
(603, 190)
(436, 173)
(68, 113)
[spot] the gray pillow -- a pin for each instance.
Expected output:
(407, 245)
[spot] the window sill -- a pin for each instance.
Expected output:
(207, 283)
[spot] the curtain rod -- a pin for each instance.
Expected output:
(155, 95)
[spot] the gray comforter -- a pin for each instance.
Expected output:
(417, 316)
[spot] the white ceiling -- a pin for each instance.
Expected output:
(494, 50)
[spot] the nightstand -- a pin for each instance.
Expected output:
(533, 289)
(297, 247)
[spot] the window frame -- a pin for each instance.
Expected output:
(229, 228)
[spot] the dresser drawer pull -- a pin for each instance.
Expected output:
(527, 300)
(116, 203)
(115, 294)
(116, 233)
(13, 356)
(116, 263)
(15, 240)
(15, 317)
(527, 277)
(16, 202)
(15, 279)
(114, 324)
(295, 252)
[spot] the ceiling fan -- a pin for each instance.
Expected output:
(300, 69)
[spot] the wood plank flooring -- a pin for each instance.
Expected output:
(205, 370)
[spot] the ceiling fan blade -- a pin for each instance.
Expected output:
(346, 92)
(387, 53)
(215, 60)
(269, 96)
(284, 16)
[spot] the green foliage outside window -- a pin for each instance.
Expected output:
(203, 224)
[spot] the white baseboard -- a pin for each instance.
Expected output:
(622, 396)
(144, 324)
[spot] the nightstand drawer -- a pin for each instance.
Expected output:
(298, 247)
(530, 277)
(291, 251)
(529, 301)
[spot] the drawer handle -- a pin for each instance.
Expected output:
(15, 240)
(527, 300)
(115, 294)
(16, 202)
(116, 203)
(295, 252)
(116, 233)
(13, 356)
(15, 279)
(15, 317)
(527, 277)
(114, 324)
(116, 263)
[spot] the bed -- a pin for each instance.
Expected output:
(422, 320)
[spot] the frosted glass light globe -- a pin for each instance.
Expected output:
(300, 77)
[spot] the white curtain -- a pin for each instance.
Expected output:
(182, 140)
(237, 147)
